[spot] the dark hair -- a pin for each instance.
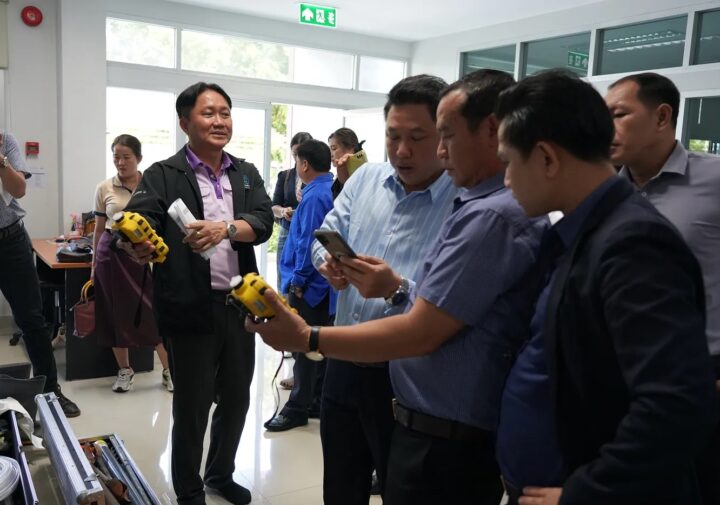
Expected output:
(654, 90)
(128, 141)
(316, 153)
(186, 100)
(299, 138)
(482, 89)
(346, 138)
(420, 89)
(556, 106)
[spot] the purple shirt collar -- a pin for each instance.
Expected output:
(196, 164)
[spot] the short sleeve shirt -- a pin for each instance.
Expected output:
(111, 197)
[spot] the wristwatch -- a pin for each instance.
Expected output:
(231, 230)
(4, 163)
(400, 295)
(314, 353)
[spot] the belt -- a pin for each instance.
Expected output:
(438, 427)
(379, 364)
(11, 229)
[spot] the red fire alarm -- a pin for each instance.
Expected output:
(32, 148)
(31, 15)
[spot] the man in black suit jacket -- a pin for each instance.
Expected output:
(616, 375)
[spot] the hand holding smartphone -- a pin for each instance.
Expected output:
(333, 242)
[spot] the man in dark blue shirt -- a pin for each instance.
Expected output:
(612, 396)
(308, 291)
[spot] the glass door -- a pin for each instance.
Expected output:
(250, 140)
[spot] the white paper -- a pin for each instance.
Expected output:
(182, 216)
(38, 179)
(25, 422)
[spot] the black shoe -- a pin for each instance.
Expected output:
(234, 493)
(284, 423)
(66, 404)
(15, 339)
(375, 485)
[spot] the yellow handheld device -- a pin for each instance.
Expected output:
(246, 295)
(356, 160)
(135, 228)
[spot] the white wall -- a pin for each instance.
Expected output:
(441, 56)
(81, 87)
(32, 112)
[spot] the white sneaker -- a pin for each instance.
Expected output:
(167, 380)
(124, 381)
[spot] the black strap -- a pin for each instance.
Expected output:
(138, 311)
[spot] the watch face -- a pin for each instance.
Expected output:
(399, 298)
(314, 356)
(232, 230)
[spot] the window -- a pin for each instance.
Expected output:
(707, 38)
(702, 124)
(642, 46)
(369, 125)
(223, 54)
(323, 68)
(379, 75)
(496, 58)
(142, 43)
(148, 115)
(569, 52)
(248, 139)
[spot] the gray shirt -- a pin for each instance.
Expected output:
(12, 212)
(687, 192)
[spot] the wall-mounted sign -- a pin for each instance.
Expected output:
(578, 61)
(318, 15)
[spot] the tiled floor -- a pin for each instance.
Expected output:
(279, 469)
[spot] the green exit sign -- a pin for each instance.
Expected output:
(577, 60)
(317, 15)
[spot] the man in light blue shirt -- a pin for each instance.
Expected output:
(391, 213)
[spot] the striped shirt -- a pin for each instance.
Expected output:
(687, 192)
(11, 212)
(377, 217)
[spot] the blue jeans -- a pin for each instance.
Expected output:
(282, 237)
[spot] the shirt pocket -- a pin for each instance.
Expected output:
(226, 187)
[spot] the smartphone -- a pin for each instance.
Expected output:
(356, 161)
(333, 242)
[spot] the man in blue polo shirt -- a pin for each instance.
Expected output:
(459, 335)
(308, 291)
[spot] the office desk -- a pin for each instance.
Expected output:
(84, 358)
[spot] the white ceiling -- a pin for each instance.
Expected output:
(408, 20)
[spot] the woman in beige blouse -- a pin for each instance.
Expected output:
(119, 281)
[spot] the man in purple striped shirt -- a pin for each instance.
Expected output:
(211, 355)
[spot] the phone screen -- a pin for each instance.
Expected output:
(333, 242)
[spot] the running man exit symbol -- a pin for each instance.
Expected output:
(318, 15)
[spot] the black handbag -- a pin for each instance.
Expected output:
(79, 251)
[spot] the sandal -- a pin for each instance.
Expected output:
(287, 383)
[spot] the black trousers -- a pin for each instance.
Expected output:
(215, 367)
(356, 422)
(21, 288)
(426, 470)
(708, 462)
(308, 374)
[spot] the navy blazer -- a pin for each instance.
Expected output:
(628, 359)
